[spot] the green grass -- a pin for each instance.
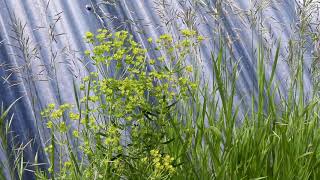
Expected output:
(5, 124)
(166, 122)
(192, 134)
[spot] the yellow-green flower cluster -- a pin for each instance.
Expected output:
(127, 94)
(74, 116)
(49, 124)
(49, 149)
(75, 133)
(57, 114)
(62, 127)
(192, 34)
(112, 141)
(166, 38)
(67, 164)
(52, 113)
(162, 163)
(89, 36)
(65, 106)
(86, 148)
(188, 32)
(47, 111)
(93, 124)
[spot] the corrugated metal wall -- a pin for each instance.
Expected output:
(41, 46)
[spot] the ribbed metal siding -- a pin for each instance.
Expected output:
(55, 28)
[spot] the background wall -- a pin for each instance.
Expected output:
(41, 47)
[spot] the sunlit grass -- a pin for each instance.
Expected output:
(164, 124)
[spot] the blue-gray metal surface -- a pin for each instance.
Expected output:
(41, 47)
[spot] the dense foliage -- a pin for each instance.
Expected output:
(124, 116)
(143, 117)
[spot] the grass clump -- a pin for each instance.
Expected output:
(143, 118)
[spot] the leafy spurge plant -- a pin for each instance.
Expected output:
(127, 105)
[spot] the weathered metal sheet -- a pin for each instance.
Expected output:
(41, 45)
